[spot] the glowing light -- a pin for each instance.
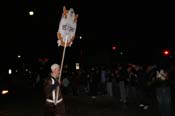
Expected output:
(4, 92)
(10, 71)
(31, 13)
(114, 48)
(166, 52)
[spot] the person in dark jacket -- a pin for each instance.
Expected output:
(54, 104)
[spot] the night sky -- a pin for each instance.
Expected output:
(139, 28)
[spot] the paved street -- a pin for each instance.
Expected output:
(30, 103)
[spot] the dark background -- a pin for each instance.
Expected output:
(140, 29)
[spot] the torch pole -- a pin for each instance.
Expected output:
(62, 61)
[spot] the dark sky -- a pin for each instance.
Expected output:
(137, 26)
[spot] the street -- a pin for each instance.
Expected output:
(30, 103)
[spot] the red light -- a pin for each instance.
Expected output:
(113, 47)
(166, 52)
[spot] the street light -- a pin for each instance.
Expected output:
(31, 13)
(19, 56)
(10, 71)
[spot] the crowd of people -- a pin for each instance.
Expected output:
(131, 83)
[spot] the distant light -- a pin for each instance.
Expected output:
(166, 52)
(19, 56)
(80, 37)
(3, 92)
(31, 13)
(121, 53)
(10, 71)
(77, 66)
(114, 48)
